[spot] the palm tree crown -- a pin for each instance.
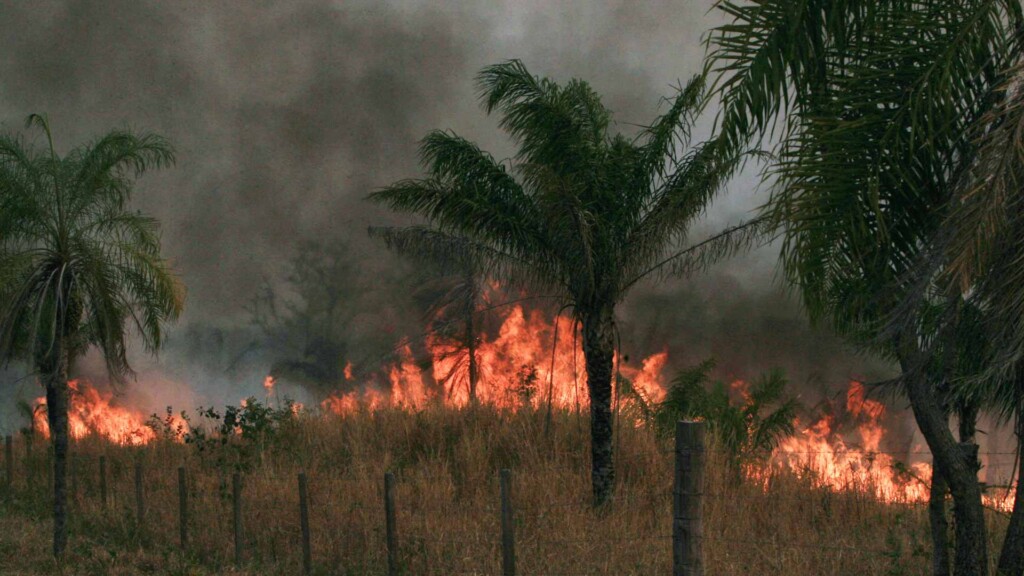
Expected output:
(74, 260)
(880, 104)
(580, 212)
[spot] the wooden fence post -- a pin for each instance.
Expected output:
(72, 479)
(508, 538)
(307, 556)
(103, 481)
(236, 489)
(687, 500)
(29, 469)
(9, 462)
(48, 465)
(182, 507)
(140, 508)
(389, 514)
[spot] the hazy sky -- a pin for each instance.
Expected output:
(285, 114)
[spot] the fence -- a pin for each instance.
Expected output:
(686, 540)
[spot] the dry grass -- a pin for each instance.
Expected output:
(447, 464)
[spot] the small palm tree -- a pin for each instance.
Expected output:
(78, 268)
(452, 298)
(580, 213)
(748, 429)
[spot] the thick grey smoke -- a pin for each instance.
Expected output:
(286, 114)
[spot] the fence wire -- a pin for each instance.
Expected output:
(271, 510)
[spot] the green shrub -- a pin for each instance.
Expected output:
(748, 423)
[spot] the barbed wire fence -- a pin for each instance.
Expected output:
(220, 505)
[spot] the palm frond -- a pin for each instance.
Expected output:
(579, 210)
(81, 269)
(456, 254)
(706, 253)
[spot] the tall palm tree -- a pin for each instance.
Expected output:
(874, 105)
(982, 239)
(78, 268)
(580, 212)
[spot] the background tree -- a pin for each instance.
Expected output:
(326, 314)
(78, 267)
(309, 325)
(579, 212)
(873, 106)
(453, 320)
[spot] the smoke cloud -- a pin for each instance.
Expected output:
(285, 115)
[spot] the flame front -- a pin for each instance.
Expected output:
(91, 412)
(528, 362)
(822, 456)
(531, 360)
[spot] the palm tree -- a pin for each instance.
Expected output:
(580, 213)
(451, 297)
(982, 240)
(453, 320)
(78, 268)
(749, 429)
(875, 106)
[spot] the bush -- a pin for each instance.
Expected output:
(749, 422)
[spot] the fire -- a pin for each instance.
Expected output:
(92, 412)
(529, 361)
(830, 460)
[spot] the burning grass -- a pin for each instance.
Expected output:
(447, 462)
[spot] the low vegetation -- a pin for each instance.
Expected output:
(446, 462)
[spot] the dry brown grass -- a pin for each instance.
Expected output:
(447, 464)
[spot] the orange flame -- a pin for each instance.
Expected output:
(528, 361)
(92, 412)
(821, 455)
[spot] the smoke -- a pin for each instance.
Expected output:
(285, 115)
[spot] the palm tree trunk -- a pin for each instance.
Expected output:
(599, 352)
(474, 371)
(939, 523)
(957, 462)
(425, 364)
(57, 416)
(470, 311)
(1011, 557)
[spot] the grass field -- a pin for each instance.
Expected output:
(446, 463)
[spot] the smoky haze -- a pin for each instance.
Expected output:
(286, 114)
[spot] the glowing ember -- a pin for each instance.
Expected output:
(92, 412)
